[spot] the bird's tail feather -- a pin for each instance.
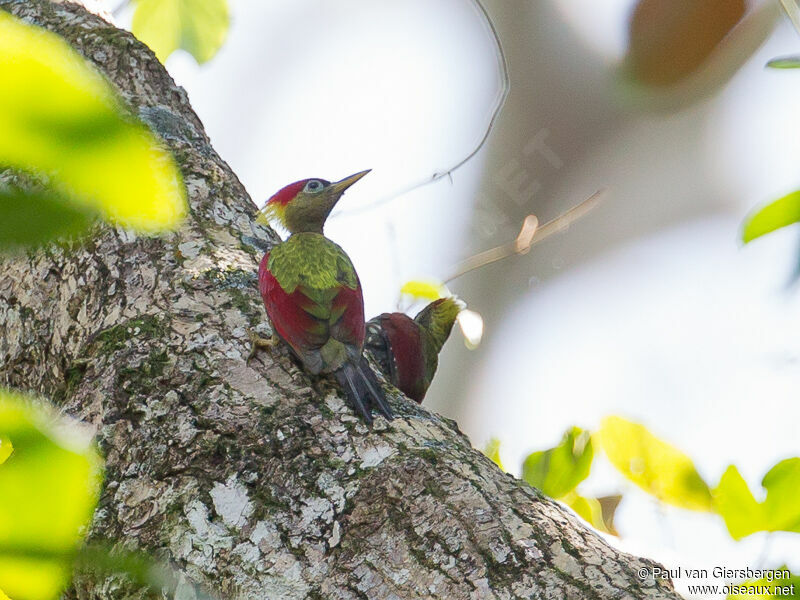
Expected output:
(375, 389)
(362, 389)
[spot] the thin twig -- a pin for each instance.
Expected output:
(529, 235)
(791, 10)
(487, 257)
(505, 82)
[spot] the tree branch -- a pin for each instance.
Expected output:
(248, 479)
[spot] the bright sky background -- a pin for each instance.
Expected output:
(294, 94)
(682, 329)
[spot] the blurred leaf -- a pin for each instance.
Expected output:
(711, 74)
(598, 512)
(786, 62)
(587, 508)
(766, 589)
(424, 290)
(782, 508)
(608, 506)
(32, 219)
(139, 568)
(734, 502)
(101, 560)
(784, 211)
(780, 511)
(557, 471)
(5, 449)
(198, 26)
(670, 40)
(49, 486)
(492, 450)
(59, 117)
(471, 325)
(655, 466)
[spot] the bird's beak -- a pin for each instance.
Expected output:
(340, 186)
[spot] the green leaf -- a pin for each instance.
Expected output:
(61, 121)
(782, 483)
(50, 485)
(744, 515)
(31, 219)
(783, 587)
(734, 502)
(786, 62)
(198, 26)
(588, 509)
(655, 466)
(784, 211)
(559, 470)
(492, 451)
(6, 448)
(100, 561)
(598, 512)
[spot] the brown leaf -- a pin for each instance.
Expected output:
(608, 505)
(671, 39)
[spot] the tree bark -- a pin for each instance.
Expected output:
(253, 480)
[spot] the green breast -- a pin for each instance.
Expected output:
(312, 261)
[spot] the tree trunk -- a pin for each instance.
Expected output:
(252, 480)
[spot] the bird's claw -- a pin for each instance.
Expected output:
(258, 342)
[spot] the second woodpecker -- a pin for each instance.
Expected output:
(407, 350)
(312, 293)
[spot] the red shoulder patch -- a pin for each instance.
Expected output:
(285, 311)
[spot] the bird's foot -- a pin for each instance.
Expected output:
(259, 342)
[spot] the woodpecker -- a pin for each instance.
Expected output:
(407, 350)
(312, 293)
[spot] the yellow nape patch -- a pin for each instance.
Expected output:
(273, 213)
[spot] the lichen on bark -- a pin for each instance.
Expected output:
(252, 480)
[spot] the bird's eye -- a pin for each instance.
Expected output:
(314, 186)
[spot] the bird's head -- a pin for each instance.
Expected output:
(303, 206)
(438, 317)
